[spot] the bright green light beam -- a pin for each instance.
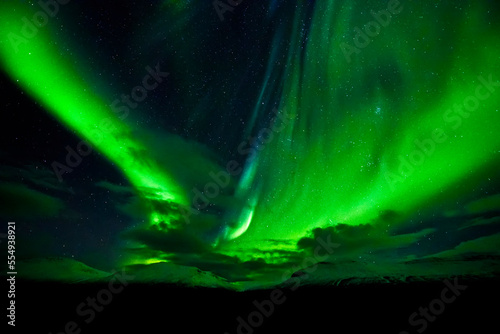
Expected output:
(39, 67)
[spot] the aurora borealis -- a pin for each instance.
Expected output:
(230, 146)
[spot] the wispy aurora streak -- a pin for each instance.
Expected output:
(352, 121)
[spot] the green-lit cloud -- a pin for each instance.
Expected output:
(484, 245)
(19, 201)
(485, 204)
(375, 238)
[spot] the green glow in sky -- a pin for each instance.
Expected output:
(39, 67)
(339, 160)
(395, 128)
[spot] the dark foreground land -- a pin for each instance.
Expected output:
(380, 308)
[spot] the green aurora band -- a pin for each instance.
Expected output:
(39, 67)
(339, 157)
(339, 160)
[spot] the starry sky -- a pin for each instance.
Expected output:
(232, 139)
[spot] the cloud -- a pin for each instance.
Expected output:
(232, 267)
(171, 241)
(26, 191)
(36, 176)
(482, 212)
(487, 244)
(485, 204)
(191, 245)
(365, 238)
(20, 201)
(479, 221)
(387, 217)
(478, 206)
(115, 188)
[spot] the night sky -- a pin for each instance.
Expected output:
(170, 131)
